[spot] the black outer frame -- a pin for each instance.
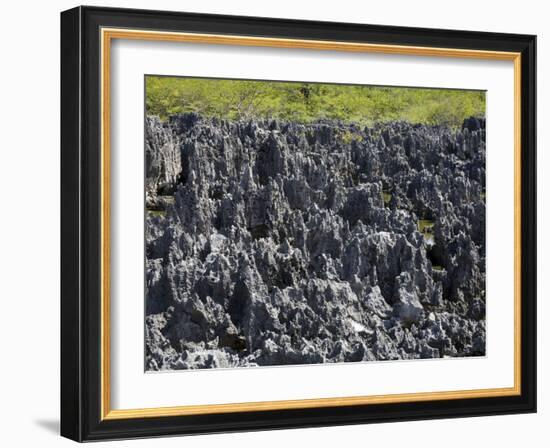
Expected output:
(80, 223)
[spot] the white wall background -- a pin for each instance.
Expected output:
(29, 228)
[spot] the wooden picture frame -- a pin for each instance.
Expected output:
(86, 36)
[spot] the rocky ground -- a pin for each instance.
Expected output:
(271, 243)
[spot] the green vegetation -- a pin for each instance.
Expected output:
(425, 225)
(348, 137)
(307, 102)
(161, 213)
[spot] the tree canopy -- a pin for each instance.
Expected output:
(307, 102)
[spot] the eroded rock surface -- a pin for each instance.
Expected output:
(274, 243)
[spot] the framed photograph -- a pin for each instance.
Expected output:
(276, 224)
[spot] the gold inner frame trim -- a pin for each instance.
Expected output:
(107, 35)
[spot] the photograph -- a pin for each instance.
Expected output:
(291, 220)
(291, 223)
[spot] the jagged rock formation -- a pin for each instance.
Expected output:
(272, 243)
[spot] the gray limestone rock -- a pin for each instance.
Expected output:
(273, 243)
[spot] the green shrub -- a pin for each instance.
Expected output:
(307, 102)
